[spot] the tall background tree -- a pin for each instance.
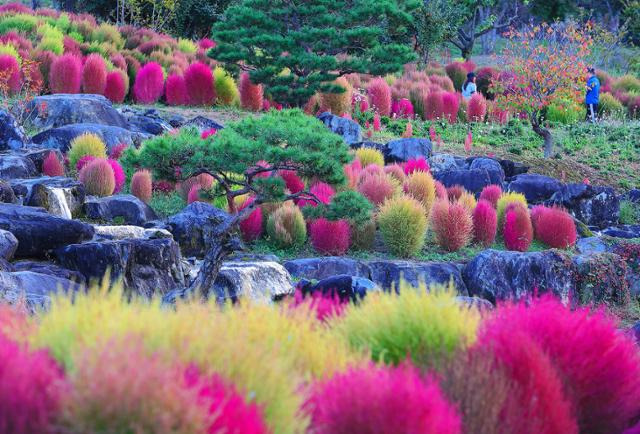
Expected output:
(296, 48)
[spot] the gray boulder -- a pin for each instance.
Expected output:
(60, 196)
(6, 193)
(623, 231)
(402, 150)
(389, 274)
(16, 166)
(512, 168)
(122, 232)
(590, 245)
(343, 286)
(536, 188)
(50, 269)
(38, 232)
(125, 206)
(602, 278)
(633, 195)
(473, 180)
(493, 168)
(348, 129)
(53, 111)
(444, 162)
(202, 124)
(8, 245)
(33, 289)
(325, 267)
(259, 282)
(593, 205)
(501, 275)
(61, 137)
(12, 135)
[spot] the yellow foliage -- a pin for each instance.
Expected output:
(86, 144)
(368, 156)
(468, 201)
(505, 199)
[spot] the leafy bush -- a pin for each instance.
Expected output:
(434, 105)
(476, 108)
(485, 223)
(450, 106)
(115, 86)
(286, 227)
(368, 156)
(416, 164)
(518, 230)
(65, 75)
(504, 201)
(187, 46)
(376, 187)
(338, 103)
(198, 79)
(226, 89)
(51, 166)
(380, 399)
(491, 193)
(421, 186)
(175, 92)
(452, 225)
(379, 94)
(87, 144)
(330, 237)
(629, 212)
(610, 107)
(251, 226)
(141, 185)
(468, 201)
(349, 205)
(627, 83)
(10, 73)
(149, 84)
(424, 324)
(94, 74)
(98, 177)
(403, 225)
(251, 95)
(565, 112)
(555, 227)
(484, 77)
(457, 73)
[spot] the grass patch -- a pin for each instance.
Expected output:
(166, 205)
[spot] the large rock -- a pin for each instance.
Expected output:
(16, 166)
(512, 168)
(6, 193)
(389, 274)
(49, 269)
(366, 144)
(202, 124)
(326, 267)
(195, 227)
(60, 196)
(146, 267)
(602, 278)
(123, 232)
(12, 135)
(127, 207)
(499, 275)
(259, 282)
(630, 252)
(8, 245)
(53, 111)
(348, 129)
(593, 205)
(633, 195)
(60, 138)
(493, 168)
(38, 232)
(623, 231)
(443, 162)
(39, 155)
(344, 286)
(146, 121)
(536, 188)
(33, 289)
(473, 180)
(401, 150)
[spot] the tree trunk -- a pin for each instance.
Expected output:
(466, 50)
(542, 132)
(209, 270)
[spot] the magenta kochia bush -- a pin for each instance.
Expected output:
(330, 237)
(65, 74)
(600, 365)
(517, 231)
(322, 191)
(198, 79)
(31, 387)
(51, 166)
(115, 87)
(292, 181)
(380, 400)
(485, 223)
(251, 226)
(416, 164)
(149, 84)
(94, 74)
(10, 71)
(491, 193)
(476, 108)
(175, 92)
(118, 174)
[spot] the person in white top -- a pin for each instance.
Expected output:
(469, 86)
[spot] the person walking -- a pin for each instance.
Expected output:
(593, 95)
(469, 86)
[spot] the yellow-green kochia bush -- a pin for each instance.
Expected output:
(403, 224)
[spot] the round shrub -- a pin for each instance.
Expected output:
(286, 227)
(98, 178)
(141, 185)
(504, 201)
(115, 87)
(434, 105)
(485, 223)
(610, 107)
(94, 74)
(175, 90)
(450, 106)
(83, 162)
(380, 400)
(292, 181)
(86, 144)
(379, 94)
(51, 166)
(322, 191)
(395, 171)
(330, 237)
(363, 235)
(65, 74)
(491, 193)
(416, 164)
(627, 83)
(149, 84)
(368, 156)
(468, 201)
(441, 191)
(31, 388)
(565, 112)
(555, 227)
(376, 187)
(352, 172)
(251, 95)
(199, 82)
(338, 103)
(457, 73)
(452, 225)
(226, 89)
(251, 226)
(517, 231)
(118, 175)
(403, 225)
(484, 77)
(421, 186)
(403, 108)
(600, 366)
(476, 108)
(10, 71)
(194, 194)
(455, 192)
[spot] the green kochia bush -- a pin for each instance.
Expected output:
(403, 224)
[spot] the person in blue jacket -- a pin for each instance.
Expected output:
(593, 95)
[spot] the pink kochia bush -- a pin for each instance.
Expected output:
(175, 92)
(31, 388)
(402, 108)
(84, 161)
(376, 187)
(208, 133)
(94, 74)
(491, 193)
(450, 105)
(51, 166)
(251, 226)
(117, 150)
(292, 181)
(194, 194)
(380, 96)
(198, 79)
(380, 400)
(10, 68)
(118, 175)
(65, 74)
(416, 165)
(325, 306)
(555, 227)
(98, 177)
(115, 87)
(251, 95)
(485, 223)
(476, 108)
(330, 237)
(518, 231)
(149, 84)
(324, 192)
(452, 225)
(141, 185)
(599, 365)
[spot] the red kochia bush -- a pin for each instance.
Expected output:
(380, 400)
(117, 150)
(454, 192)
(141, 185)
(491, 193)
(251, 226)
(51, 166)
(94, 74)
(476, 108)
(10, 69)
(441, 191)
(450, 105)
(251, 95)
(555, 227)
(452, 225)
(31, 385)
(330, 237)
(485, 223)
(434, 105)
(175, 92)
(416, 164)
(518, 231)
(324, 192)
(599, 364)
(292, 181)
(65, 74)
(380, 96)
(149, 84)
(115, 87)
(402, 108)
(198, 79)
